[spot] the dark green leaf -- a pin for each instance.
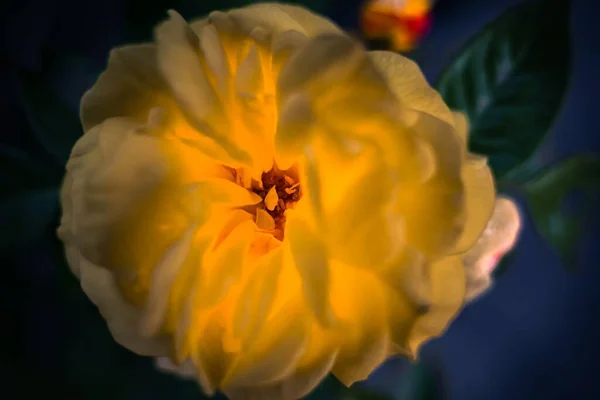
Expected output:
(546, 194)
(523, 172)
(55, 125)
(331, 388)
(358, 393)
(510, 81)
(28, 199)
(419, 383)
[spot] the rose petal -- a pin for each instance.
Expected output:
(130, 86)
(256, 298)
(479, 196)
(163, 276)
(209, 357)
(410, 86)
(294, 387)
(224, 265)
(122, 318)
(311, 23)
(310, 256)
(275, 353)
(177, 51)
(447, 296)
(358, 300)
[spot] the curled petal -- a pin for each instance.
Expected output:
(402, 314)
(325, 60)
(177, 51)
(444, 141)
(359, 303)
(209, 357)
(432, 217)
(284, 46)
(434, 211)
(498, 238)
(214, 55)
(249, 76)
(351, 367)
(272, 19)
(284, 17)
(409, 274)
(163, 277)
(122, 318)
(220, 191)
(256, 298)
(275, 354)
(479, 195)
(295, 128)
(410, 86)
(294, 387)
(108, 180)
(185, 370)
(312, 24)
(502, 229)
(309, 254)
(360, 231)
(224, 265)
(130, 86)
(448, 287)
(264, 221)
(184, 284)
(461, 124)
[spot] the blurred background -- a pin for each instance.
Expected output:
(534, 335)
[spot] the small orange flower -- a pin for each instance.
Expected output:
(259, 201)
(402, 22)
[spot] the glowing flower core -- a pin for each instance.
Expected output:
(279, 191)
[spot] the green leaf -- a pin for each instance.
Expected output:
(55, 125)
(419, 383)
(546, 194)
(523, 172)
(331, 388)
(28, 199)
(510, 80)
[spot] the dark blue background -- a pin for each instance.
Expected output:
(535, 335)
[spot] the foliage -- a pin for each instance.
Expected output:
(510, 80)
(546, 193)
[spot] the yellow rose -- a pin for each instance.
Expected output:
(262, 201)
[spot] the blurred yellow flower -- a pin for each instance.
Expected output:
(262, 202)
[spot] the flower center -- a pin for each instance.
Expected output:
(279, 190)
